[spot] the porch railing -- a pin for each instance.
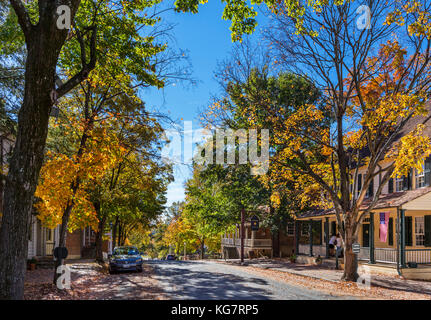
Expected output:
(385, 255)
(304, 249)
(388, 255)
(318, 250)
(257, 243)
(382, 255)
(364, 254)
(250, 243)
(228, 241)
(420, 256)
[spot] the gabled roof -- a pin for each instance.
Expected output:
(408, 127)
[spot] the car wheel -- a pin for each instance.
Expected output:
(139, 269)
(111, 271)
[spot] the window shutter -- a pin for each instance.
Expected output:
(325, 230)
(409, 231)
(409, 180)
(371, 188)
(391, 185)
(427, 231)
(317, 231)
(427, 171)
(405, 183)
(391, 231)
(359, 183)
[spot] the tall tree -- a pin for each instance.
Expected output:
(43, 42)
(374, 86)
(272, 97)
(44, 33)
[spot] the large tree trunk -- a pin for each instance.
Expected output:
(25, 164)
(121, 238)
(99, 241)
(350, 258)
(44, 42)
(62, 240)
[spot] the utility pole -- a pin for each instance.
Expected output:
(242, 235)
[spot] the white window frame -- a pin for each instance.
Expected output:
(420, 231)
(399, 182)
(290, 229)
(420, 178)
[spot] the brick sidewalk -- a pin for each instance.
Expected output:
(327, 272)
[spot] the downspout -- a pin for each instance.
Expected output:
(398, 242)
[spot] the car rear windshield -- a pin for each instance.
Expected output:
(126, 251)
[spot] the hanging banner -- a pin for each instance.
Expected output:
(384, 223)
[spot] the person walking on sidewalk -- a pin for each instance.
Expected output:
(332, 244)
(339, 244)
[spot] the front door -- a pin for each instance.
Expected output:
(366, 235)
(276, 244)
(49, 241)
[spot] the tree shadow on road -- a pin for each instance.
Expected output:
(182, 283)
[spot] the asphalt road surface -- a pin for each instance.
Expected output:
(197, 280)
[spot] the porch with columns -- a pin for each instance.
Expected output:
(401, 254)
(253, 240)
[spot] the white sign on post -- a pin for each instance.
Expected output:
(356, 248)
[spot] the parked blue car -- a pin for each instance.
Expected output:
(171, 257)
(125, 259)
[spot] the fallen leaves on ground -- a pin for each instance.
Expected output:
(92, 282)
(337, 288)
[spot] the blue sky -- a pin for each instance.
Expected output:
(207, 38)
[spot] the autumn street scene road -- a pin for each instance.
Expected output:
(190, 280)
(212, 280)
(189, 149)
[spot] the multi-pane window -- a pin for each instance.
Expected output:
(420, 231)
(290, 229)
(399, 183)
(420, 178)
